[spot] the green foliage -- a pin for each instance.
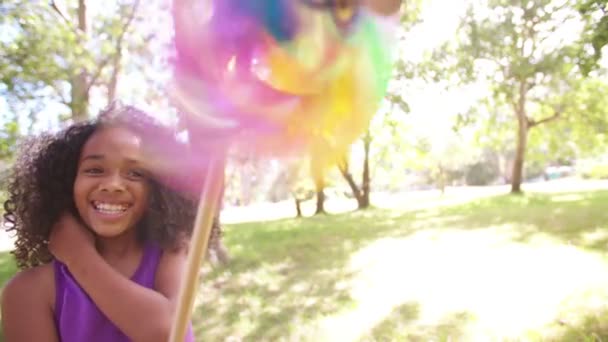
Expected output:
(485, 170)
(480, 174)
(521, 51)
(40, 54)
(8, 139)
(56, 66)
(595, 13)
(298, 180)
(581, 131)
(47, 47)
(444, 156)
(509, 43)
(597, 171)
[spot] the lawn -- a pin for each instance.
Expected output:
(7, 270)
(504, 268)
(530, 267)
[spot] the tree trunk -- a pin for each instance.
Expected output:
(442, 179)
(79, 101)
(520, 153)
(217, 252)
(522, 140)
(319, 179)
(117, 58)
(351, 183)
(366, 183)
(112, 87)
(320, 202)
(298, 203)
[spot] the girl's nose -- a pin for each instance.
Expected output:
(113, 182)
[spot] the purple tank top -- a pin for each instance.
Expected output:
(77, 317)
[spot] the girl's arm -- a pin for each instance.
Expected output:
(143, 314)
(27, 310)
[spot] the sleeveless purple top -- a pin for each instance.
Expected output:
(77, 317)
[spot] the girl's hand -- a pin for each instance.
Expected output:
(70, 240)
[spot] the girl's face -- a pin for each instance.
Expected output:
(111, 188)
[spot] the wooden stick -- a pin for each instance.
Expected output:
(207, 209)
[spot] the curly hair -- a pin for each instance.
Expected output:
(40, 187)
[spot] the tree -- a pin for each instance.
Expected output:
(395, 105)
(519, 48)
(582, 131)
(56, 55)
(595, 13)
(296, 177)
(360, 193)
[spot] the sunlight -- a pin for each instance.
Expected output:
(507, 288)
(599, 235)
(567, 198)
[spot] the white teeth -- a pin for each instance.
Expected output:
(110, 208)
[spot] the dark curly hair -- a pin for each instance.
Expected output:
(40, 187)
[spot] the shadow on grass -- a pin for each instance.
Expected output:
(398, 326)
(282, 275)
(592, 329)
(285, 273)
(589, 328)
(578, 219)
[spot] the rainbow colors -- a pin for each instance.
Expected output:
(280, 76)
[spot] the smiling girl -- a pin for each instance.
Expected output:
(100, 242)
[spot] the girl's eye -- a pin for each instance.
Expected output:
(93, 170)
(136, 174)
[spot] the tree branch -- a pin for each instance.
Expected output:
(95, 76)
(67, 21)
(57, 88)
(343, 164)
(61, 14)
(514, 104)
(120, 39)
(556, 115)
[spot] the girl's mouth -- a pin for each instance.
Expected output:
(110, 208)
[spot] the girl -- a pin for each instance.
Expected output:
(100, 242)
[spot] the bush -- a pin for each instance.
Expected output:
(481, 173)
(599, 171)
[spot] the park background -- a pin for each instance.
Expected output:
(472, 209)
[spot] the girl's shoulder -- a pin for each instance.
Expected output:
(33, 285)
(27, 305)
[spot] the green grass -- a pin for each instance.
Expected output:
(530, 265)
(7, 269)
(287, 276)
